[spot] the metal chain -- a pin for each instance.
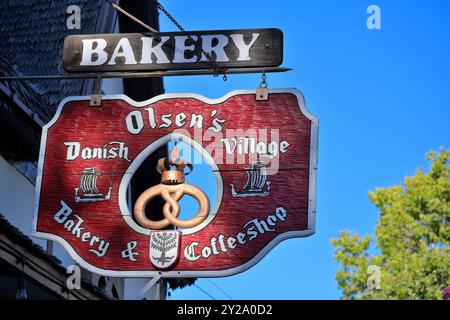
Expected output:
(129, 15)
(264, 83)
(216, 70)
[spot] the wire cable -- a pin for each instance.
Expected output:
(204, 291)
(221, 290)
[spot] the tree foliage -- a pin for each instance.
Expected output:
(411, 238)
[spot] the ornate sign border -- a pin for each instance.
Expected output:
(183, 274)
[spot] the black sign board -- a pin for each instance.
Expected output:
(173, 50)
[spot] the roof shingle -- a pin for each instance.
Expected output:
(32, 34)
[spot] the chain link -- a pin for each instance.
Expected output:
(263, 83)
(216, 69)
(129, 15)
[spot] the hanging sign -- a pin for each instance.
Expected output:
(262, 154)
(173, 50)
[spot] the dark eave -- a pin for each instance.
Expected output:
(42, 269)
(32, 43)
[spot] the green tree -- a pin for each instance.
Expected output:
(411, 241)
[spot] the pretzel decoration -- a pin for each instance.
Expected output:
(172, 188)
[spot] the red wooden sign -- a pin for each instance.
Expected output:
(263, 155)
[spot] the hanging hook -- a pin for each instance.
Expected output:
(262, 93)
(263, 83)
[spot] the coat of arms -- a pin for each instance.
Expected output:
(164, 248)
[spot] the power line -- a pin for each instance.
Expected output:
(204, 292)
(218, 287)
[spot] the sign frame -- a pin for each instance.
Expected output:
(313, 162)
(265, 51)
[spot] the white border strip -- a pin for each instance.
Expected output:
(124, 183)
(183, 274)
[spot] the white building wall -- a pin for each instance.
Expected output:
(16, 198)
(17, 205)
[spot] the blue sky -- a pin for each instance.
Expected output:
(382, 98)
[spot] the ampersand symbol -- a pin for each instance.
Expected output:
(129, 253)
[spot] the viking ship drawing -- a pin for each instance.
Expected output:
(257, 184)
(88, 185)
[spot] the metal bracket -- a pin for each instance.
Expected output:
(96, 100)
(150, 284)
(262, 94)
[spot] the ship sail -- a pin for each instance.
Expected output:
(88, 186)
(262, 177)
(257, 184)
(256, 176)
(84, 182)
(88, 181)
(248, 185)
(94, 183)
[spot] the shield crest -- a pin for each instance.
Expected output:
(165, 248)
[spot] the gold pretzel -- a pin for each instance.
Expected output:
(172, 188)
